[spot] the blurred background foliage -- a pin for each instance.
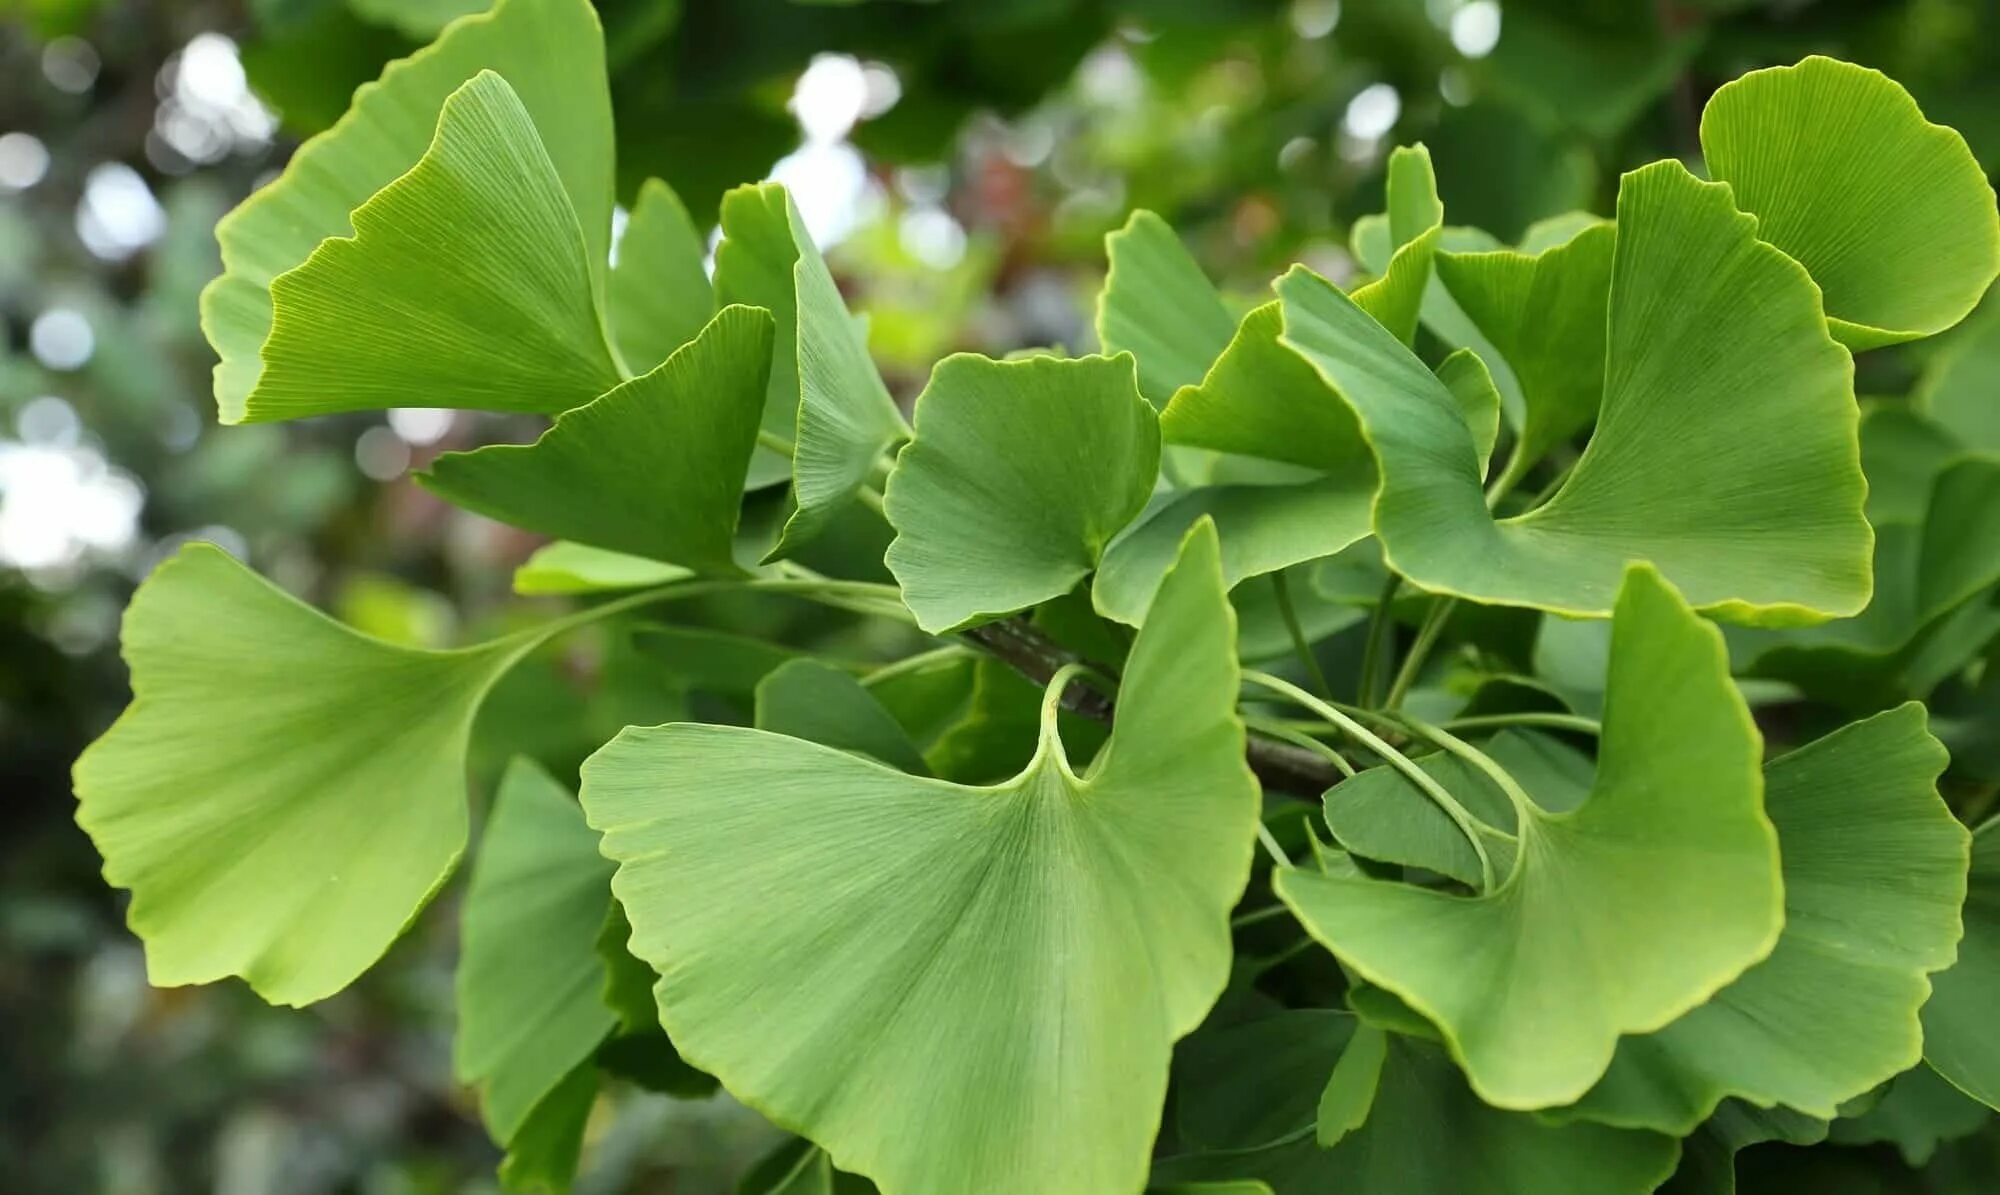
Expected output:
(960, 160)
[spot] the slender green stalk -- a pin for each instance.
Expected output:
(1278, 729)
(1466, 823)
(1517, 466)
(1573, 722)
(1524, 807)
(1259, 916)
(870, 498)
(1381, 628)
(1420, 648)
(1282, 589)
(1278, 856)
(775, 442)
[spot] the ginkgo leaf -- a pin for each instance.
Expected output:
(1725, 449)
(529, 977)
(654, 468)
(1891, 213)
(1158, 306)
(1617, 917)
(1421, 1131)
(1918, 1112)
(1959, 1042)
(542, 1155)
(806, 699)
(1416, 220)
(1546, 315)
(1927, 574)
(1256, 1083)
(1020, 474)
(563, 568)
(824, 394)
(657, 297)
(283, 794)
(903, 969)
(1833, 1011)
(465, 283)
(1372, 246)
(1379, 814)
(551, 54)
(1957, 388)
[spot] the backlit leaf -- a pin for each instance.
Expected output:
(1158, 306)
(551, 53)
(284, 794)
(1616, 918)
(1891, 213)
(657, 297)
(897, 967)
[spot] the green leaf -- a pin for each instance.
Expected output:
(283, 794)
(1546, 315)
(1959, 1041)
(807, 700)
(543, 1153)
(1224, 1101)
(824, 393)
(1615, 918)
(1957, 387)
(1708, 1157)
(653, 469)
(567, 568)
(720, 662)
(1891, 213)
(465, 282)
(420, 19)
(1752, 507)
(658, 296)
(1020, 474)
(1425, 1132)
(1379, 814)
(1930, 576)
(550, 52)
(1371, 245)
(529, 977)
(1158, 306)
(1416, 221)
(891, 965)
(1833, 1011)
(1918, 1113)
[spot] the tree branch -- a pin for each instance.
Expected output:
(1020, 645)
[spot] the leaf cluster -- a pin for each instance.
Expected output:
(1505, 725)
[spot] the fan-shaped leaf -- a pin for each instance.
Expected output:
(1020, 474)
(465, 284)
(1616, 918)
(824, 394)
(653, 469)
(1546, 315)
(284, 794)
(1891, 213)
(805, 699)
(1158, 306)
(1725, 448)
(564, 567)
(1833, 1011)
(529, 977)
(905, 970)
(551, 53)
(658, 296)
